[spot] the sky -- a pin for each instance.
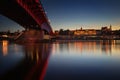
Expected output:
(74, 14)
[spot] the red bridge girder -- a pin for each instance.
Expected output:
(35, 9)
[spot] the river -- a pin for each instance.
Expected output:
(63, 60)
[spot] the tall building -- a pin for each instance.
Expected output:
(110, 27)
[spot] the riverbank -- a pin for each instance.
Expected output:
(55, 40)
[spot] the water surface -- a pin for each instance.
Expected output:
(63, 60)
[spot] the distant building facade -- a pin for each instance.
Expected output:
(103, 33)
(85, 32)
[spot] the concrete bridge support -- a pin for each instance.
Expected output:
(32, 35)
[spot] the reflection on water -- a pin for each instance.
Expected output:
(5, 47)
(96, 60)
(106, 47)
(29, 63)
(39, 54)
(84, 60)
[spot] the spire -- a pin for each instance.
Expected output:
(110, 27)
(81, 28)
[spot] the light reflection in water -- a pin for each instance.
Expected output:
(28, 61)
(39, 55)
(37, 52)
(16, 48)
(100, 47)
(84, 60)
(35, 57)
(5, 47)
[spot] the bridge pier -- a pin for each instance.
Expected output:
(33, 35)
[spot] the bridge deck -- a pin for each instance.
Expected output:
(17, 13)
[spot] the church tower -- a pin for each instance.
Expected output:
(110, 27)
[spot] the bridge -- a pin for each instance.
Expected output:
(30, 14)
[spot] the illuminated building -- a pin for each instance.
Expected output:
(82, 32)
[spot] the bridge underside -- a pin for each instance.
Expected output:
(30, 15)
(14, 11)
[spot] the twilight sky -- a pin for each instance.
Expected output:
(73, 14)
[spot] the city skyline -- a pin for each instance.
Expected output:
(89, 14)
